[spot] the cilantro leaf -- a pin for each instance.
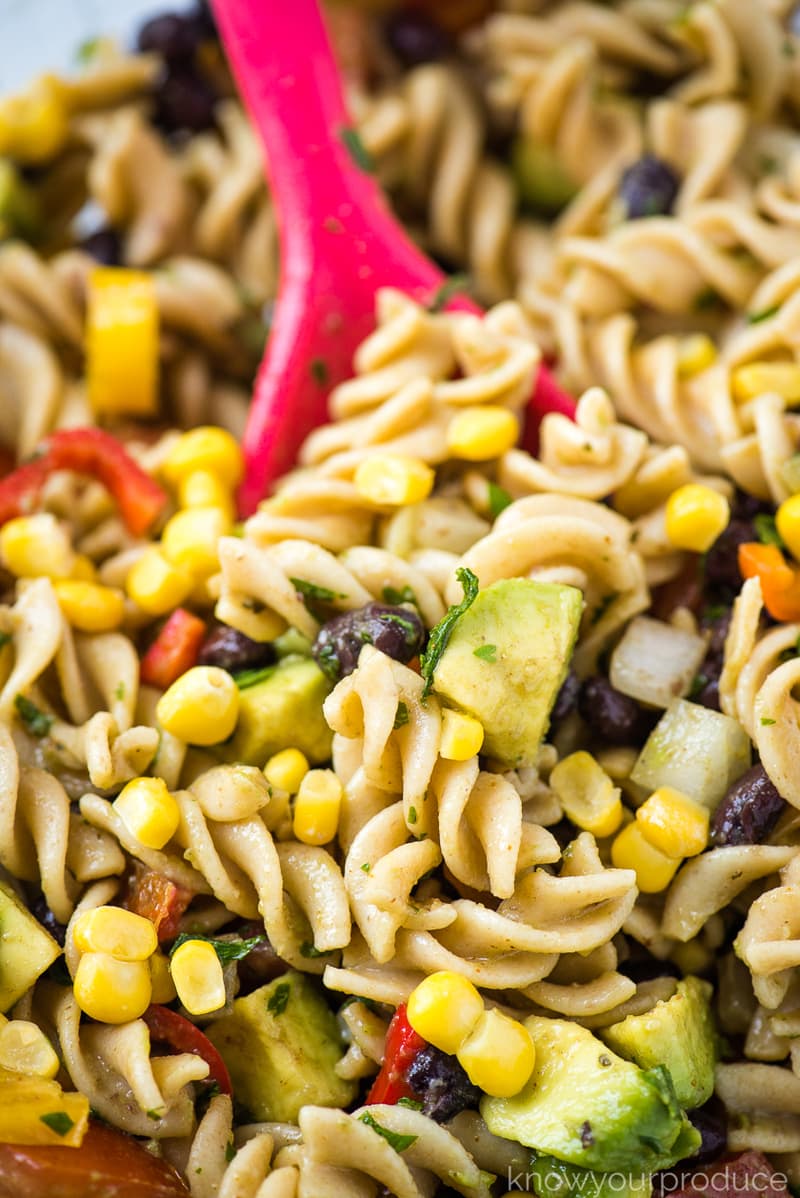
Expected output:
(401, 715)
(764, 314)
(310, 590)
(58, 1121)
(247, 678)
(226, 950)
(395, 597)
(5, 638)
(451, 286)
(279, 999)
(394, 1139)
(307, 949)
(440, 635)
(360, 155)
(499, 499)
(486, 652)
(37, 722)
(766, 530)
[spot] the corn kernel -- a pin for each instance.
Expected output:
(499, 1055)
(317, 806)
(787, 522)
(83, 569)
(202, 488)
(31, 546)
(155, 585)
(695, 354)
(756, 378)
(654, 871)
(24, 1048)
(205, 448)
(444, 1009)
(462, 736)
(122, 342)
(478, 434)
(393, 480)
(201, 707)
(695, 517)
(587, 794)
(148, 811)
(673, 823)
(123, 934)
(34, 125)
(190, 539)
(198, 978)
(89, 607)
(286, 770)
(161, 979)
(110, 990)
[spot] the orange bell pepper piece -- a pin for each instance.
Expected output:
(780, 584)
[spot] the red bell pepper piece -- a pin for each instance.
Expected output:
(93, 452)
(402, 1046)
(158, 899)
(547, 397)
(175, 649)
(168, 1027)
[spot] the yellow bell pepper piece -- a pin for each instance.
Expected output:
(34, 124)
(34, 1110)
(122, 342)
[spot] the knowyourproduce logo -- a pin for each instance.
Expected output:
(722, 1181)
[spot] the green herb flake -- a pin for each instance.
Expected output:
(37, 722)
(247, 678)
(766, 530)
(309, 950)
(394, 1139)
(310, 590)
(699, 682)
(412, 815)
(451, 286)
(709, 298)
(763, 314)
(226, 950)
(230, 1151)
(279, 999)
(154, 1114)
(87, 50)
(351, 139)
(5, 639)
(715, 611)
(119, 691)
(401, 715)
(413, 1104)
(58, 1121)
(486, 652)
(441, 633)
(319, 371)
(766, 722)
(499, 500)
(366, 867)
(395, 597)
(603, 606)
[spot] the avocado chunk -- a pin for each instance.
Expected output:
(551, 1178)
(506, 659)
(20, 215)
(283, 710)
(541, 180)
(585, 1105)
(281, 1044)
(678, 1033)
(26, 949)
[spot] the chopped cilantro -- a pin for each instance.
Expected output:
(706, 299)
(310, 590)
(446, 290)
(486, 652)
(401, 715)
(392, 595)
(412, 815)
(5, 638)
(355, 147)
(766, 530)
(226, 950)
(154, 1114)
(366, 867)
(247, 678)
(230, 1151)
(58, 1121)
(499, 499)
(394, 1139)
(307, 949)
(37, 722)
(440, 635)
(119, 691)
(699, 682)
(766, 722)
(279, 999)
(715, 611)
(86, 51)
(763, 314)
(412, 1103)
(603, 606)
(319, 371)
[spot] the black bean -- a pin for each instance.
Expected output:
(612, 716)
(441, 1084)
(262, 964)
(706, 690)
(712, 1123)
(202, 19)
(172, 35)
(749, 810)
(184, 103)
(231, 650)
(646, 969)
(722, 560)
(415, 37)
(104, 246)
(396, 631)
(567, 698)
(648, 188)
(40, 910)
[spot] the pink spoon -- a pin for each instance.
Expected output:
(339, 241)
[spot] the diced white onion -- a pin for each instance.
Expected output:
(654, 662)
